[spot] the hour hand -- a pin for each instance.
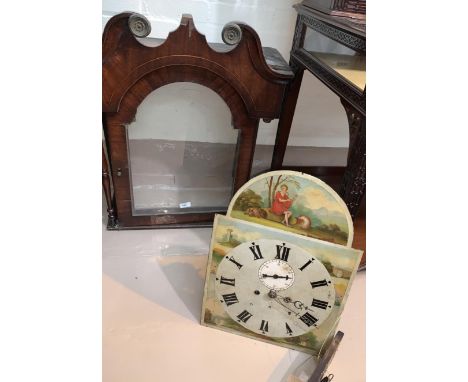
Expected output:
(275, 276)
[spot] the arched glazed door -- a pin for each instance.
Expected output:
(237, 74)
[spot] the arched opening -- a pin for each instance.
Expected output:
(181, 151)
(249, 86)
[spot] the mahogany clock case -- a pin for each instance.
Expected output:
(238, 73)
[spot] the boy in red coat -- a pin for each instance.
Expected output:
(282, 203)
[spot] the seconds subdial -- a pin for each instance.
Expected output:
(276, 274)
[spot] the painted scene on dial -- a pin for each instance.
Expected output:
(294, 202)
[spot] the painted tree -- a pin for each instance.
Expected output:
(248, 199)
(229, 231)
(274, 185)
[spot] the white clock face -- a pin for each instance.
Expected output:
(274, 288)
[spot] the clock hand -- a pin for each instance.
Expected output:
(275, 276)
(273, 295)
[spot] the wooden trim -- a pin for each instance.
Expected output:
(131, 71)
(106, 185)
(285, 122)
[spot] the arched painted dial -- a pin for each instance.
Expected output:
(274, 288)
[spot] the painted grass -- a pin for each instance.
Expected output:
(312, 232)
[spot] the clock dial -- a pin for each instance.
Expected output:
(274, 288)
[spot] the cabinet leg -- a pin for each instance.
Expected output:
(353, 185)
(285, 121)
(246, 150)
(106, 185)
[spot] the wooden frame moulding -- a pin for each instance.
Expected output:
(239, 74)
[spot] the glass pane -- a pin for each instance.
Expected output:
(343, 60)
(182, 151)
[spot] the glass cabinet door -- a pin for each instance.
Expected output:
(348, 63)
(182, 151)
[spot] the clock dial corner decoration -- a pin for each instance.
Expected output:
(274, 285)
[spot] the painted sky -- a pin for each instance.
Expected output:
(311, 194)
(312, 197)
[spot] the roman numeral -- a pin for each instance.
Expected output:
(244, 316)
(288, 329)
(320, 283)
(282, 252)
(308, 319)
(264, 326)
(235, 262)
(319, 304)
(305, 265)
(230, 299)
(226, 281)
(256, 251)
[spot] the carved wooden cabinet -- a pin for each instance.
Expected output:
(251, 81)
(333, 49)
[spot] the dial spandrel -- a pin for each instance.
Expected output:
(280, 290)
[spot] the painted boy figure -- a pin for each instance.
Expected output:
(282, 203)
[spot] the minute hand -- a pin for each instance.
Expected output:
(275, 276)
